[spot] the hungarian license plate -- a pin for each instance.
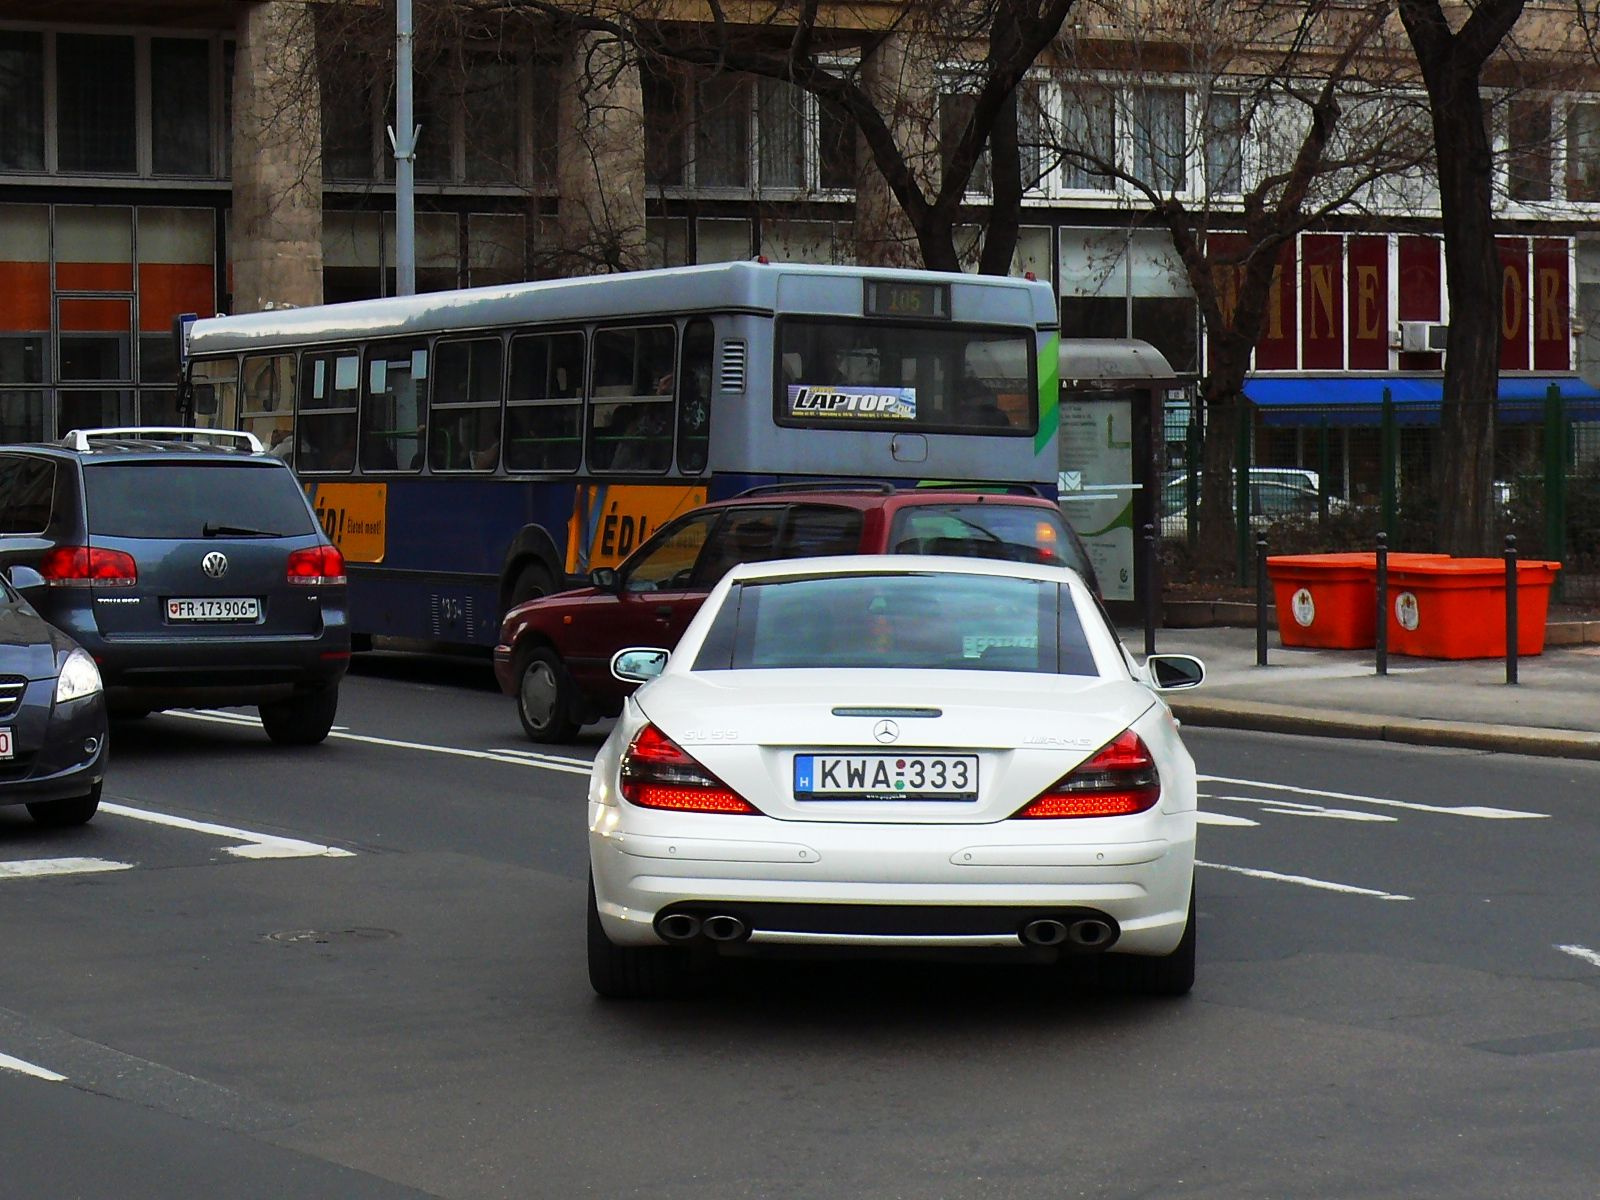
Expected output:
(886, 776)
(214, 608)
(6, 750)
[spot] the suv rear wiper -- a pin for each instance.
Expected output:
(235, 531)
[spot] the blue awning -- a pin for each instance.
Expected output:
(1357, 399)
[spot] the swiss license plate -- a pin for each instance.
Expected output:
(5, 744)
(886, 776)
(214, 608)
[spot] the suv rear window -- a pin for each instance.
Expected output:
(1012, 532)
(182, 500)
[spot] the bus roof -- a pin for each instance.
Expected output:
(743, 285)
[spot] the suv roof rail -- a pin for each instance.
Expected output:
(877, 487)
(1002, 489)
(78, 439)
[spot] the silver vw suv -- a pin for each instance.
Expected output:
(189, 564)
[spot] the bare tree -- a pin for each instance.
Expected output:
(1301, 116)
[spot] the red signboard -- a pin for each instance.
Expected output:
(1420, 279)
(1368, 283)
(1322, 302)
(1552, 325)
(1515, 303)
(1279, 344)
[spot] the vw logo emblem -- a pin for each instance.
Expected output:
(215, 564)
(886, 731)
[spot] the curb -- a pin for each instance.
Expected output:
(1415, 731)
(1233, 614)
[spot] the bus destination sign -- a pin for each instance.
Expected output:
(891, 298)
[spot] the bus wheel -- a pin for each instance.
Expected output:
(546, 698)
(533, 580)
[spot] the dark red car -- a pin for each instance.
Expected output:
(554, 652)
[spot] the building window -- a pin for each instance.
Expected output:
(1088, 137)
(349, 123)
(1528, 156)
(782, 124)
(22, 101)
(666, 123)
(1224, 132)
(1157, 133)
(955, 113)
(722, 132)
(95, 108)
(180, 106)
(1583, 152)
(490, 97)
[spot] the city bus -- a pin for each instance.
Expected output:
(470, 449)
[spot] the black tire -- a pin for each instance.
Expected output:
(59, 814)
(303, 719)
(547, 700)
(632, 972)
(1169, 975)
(532, 580)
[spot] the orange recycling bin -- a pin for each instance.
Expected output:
(1329, 601)
(1456, 607)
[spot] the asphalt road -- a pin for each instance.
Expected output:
(358, 971)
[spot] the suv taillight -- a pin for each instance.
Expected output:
(88, 566)
(315, 566)
(656, 773)
(1120, 779)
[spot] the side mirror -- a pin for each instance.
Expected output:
(606, 579)
(638, 664)
(1174, 672)
(205, 400)
(24, 579)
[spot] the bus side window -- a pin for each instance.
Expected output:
(694, 397)
(266, 406)
(466, 406)
(544, 411)
(325, 426)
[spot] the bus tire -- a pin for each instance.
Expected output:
(301, 720)
(547, 700)
(533, 580)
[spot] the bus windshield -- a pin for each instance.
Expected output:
(905, 377)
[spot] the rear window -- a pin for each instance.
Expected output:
(183, 500)
(1010, 532)
(923, 621)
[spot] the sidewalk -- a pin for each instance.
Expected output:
(1553, 710)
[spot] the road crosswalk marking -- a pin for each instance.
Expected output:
(35, 867)
(7, 1063)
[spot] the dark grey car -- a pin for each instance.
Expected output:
(195, 574)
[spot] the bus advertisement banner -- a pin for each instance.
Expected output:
(354, 516)
(611, 521)
(881, 403)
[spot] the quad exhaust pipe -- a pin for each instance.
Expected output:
(681, 927)
(1077, 933)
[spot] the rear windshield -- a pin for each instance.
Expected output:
(193, 500)
(1011, 532)
(923, 621)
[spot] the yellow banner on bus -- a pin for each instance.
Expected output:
(611, 521)
(354, 516)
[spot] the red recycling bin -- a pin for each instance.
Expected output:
(1456, 607)
(1329, 601)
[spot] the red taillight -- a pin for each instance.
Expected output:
(1118, 780)
(656, 773)
(88, 566)
(315, 566)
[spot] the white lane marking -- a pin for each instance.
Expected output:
(570, 768)
(1487, 814)
(1325, 885)
(257, 845)
(534, 754)
(1211, 818)
(1290, 808)
(34, 867)
(7, 1063)
(1587, 955)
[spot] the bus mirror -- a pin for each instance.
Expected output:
(605, 578)
(205, 400)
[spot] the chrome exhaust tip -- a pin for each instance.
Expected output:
(1091, 933)
(1045, 931)
(724, 928)
(679, 927)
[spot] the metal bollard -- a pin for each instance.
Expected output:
(1261, 600)
(1381, 639)
(1150, 589)
(1511, 608)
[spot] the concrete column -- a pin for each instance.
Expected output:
(900, 79)
(600, 160)
(277, 159)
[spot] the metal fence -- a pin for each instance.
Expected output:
(1330, 478)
